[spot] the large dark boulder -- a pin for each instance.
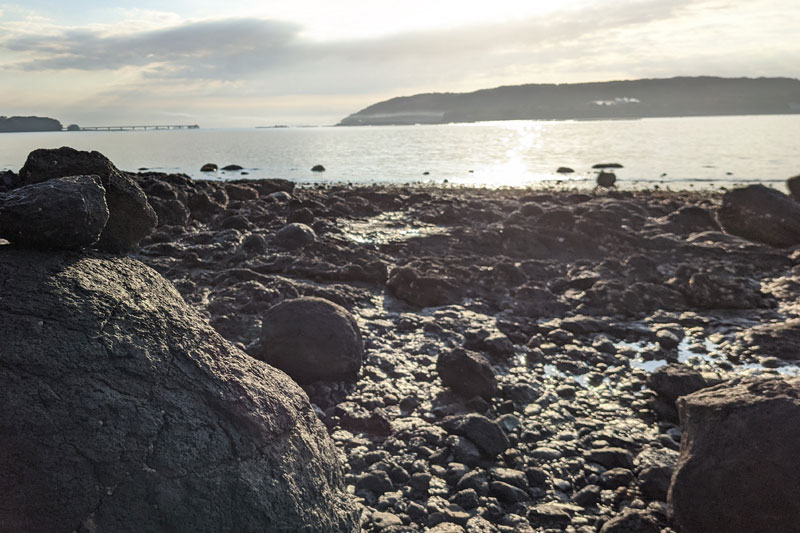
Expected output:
(130, 216)
(122, 410)
(736, 470)
(761, 214)
(60, 213)
(467, 373)
(294, 235)
(311, 339)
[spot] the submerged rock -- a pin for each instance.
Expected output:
(311, 339)
(209, 167)
(606, 179)
(130, 219)
(60, 213)
(761, 214)
(734, 471)
(121, 410)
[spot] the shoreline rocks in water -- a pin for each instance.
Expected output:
(568, 300)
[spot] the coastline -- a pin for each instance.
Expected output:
(575, 298)
(519, 352)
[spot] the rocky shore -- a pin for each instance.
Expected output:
(483, 360)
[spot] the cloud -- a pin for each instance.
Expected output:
(188, 46)
(219, 49)
(150, 61)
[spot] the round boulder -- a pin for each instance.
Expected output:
(209, 167)
(311, 339)
(122, 410)
(294, 235)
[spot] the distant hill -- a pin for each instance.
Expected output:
(11, 124)
(688, 96)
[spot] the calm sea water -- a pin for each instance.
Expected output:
(679, 153)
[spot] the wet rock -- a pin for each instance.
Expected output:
(240, 193)
(761, 214)
(209, 167)
(486, 434)
(588, 496)
(507, 493)
(294, 235)
(565, 170)
(675, 380)
(722, 426)
(781, 340)
(611, 457)
(467, 373)
(616, 477)
(130, 216)
(318, 168)
(59, 213)
(408, 284)
(606, 165)
(140, 415)
(724, 292)
(692, 219)
(654, 482)
(303, 215)
(311, 339)
(606, 179)
(232, 167)
(632, 521)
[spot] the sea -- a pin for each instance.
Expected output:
(668, 153)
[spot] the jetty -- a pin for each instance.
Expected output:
(133, 128)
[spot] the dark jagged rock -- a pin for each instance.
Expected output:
(130, 219)
(692, 218)
(121, 410)
(734, 470)
(406, 283)
(59, 213)
(311, 339)
(486, 434)
(467, 373)
(8, 180)
(294, 235)
(761, 214)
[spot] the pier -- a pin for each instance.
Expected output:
(134, 128)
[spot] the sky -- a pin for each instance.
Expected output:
(313, 62)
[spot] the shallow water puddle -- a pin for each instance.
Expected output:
(388, 227)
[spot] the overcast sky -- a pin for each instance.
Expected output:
(250, 63)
